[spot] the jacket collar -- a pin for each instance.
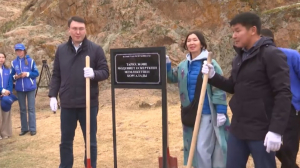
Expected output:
(202, 55)
(261, 42)
(83, 43)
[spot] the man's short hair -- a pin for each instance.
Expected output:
(267, 33)
(76, 19)
(247, 19)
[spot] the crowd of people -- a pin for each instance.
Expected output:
(20, 76)
(264, 81)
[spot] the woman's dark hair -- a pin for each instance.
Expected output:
(5, 59)
(200, 37)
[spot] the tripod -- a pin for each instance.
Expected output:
(48, 78)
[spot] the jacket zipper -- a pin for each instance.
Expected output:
(2, 78)
(241, 61)
(31, 68)
(22, 78)
(266, 116)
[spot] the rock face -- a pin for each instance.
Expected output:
(42, 24)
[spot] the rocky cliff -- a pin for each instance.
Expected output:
(42, 24)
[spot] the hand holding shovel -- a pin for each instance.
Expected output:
(199, 113)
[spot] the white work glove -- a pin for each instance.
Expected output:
(221, 119)
(168, 59)
(89, 73)
(53, 103)
(272, 142)
(208, 69)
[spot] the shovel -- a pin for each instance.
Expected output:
(171, 161)
(88, 109)
(198, 117)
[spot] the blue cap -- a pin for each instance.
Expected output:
(19, 47)
(7, 101)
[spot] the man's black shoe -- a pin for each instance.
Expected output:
(23, 133)
(32, 133)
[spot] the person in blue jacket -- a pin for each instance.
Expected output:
(211, 145)
(288, 152)
(6, 87)
(24, 71)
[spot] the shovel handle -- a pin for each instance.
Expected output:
(88, 109)
(199, 113)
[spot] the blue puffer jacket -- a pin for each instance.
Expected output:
(195, 66)
(6, 79)
(293, 60)
(28, 83)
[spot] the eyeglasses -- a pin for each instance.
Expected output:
(77, 28)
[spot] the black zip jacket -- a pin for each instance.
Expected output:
(260, 85)
(68, 75)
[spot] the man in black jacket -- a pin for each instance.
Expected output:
(261, 100)
(68, 79)
(289, 150)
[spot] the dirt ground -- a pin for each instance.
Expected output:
(139, 133)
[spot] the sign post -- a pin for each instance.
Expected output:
(139, 68)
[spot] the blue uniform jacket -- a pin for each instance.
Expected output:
(293, 60)
(6, 79)
(28, 83)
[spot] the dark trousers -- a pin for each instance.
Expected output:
(68, 121)
(288, 151)
(239, 150)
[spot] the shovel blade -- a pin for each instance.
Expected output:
(172, 162)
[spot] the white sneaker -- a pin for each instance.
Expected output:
(0, 137)
(5, 137)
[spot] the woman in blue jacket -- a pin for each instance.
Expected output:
(212, 137)
(24, 71)
(6, 87)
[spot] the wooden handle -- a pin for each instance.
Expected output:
(199, 113)
(87, 87)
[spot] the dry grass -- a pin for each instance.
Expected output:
(138, 134)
